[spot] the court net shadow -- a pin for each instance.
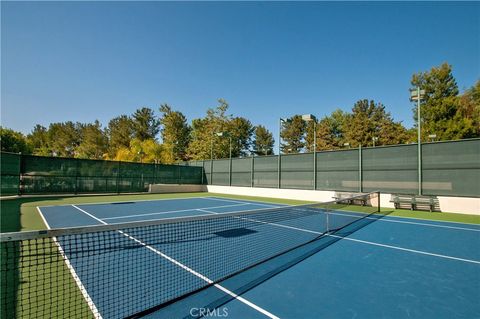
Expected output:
(210, 298)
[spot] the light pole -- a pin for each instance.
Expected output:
(226, 134)
(432, 137)
(346, 145)
(417, 95)
(311, 118)
(374, 139)
(211, 160)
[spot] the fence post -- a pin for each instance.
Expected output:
(315, 167)
(118, 176)
(279, 171)
(19, 188)
(360, 169)
(203, 170)
(252, 167)
(419, 165)
(76, 176)
(230, 171)
(211, 171)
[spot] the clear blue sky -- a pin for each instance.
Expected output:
(83, 61)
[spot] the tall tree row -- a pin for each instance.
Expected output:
(445, 113)
(217, 132)
(167, 136)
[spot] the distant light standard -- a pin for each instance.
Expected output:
(226, 134)
(141, 153)
(432, 137)
(211, 159)
(346, 145)
(311, 118)
(417, 95)
(280, 148)
(374, 139)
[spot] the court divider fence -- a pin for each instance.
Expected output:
(450, 168)
(28, 174)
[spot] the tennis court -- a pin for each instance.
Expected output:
(222, 257)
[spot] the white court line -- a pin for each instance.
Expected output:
(133, 200)
(406, 249)
(188, 269)
(248, 201)
(362, 241)
(405, 222)
(237, 211)
(83, 290)
(172, 211)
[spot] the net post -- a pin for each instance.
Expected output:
(378, 202)
(327, 216)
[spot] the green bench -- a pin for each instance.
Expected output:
(416, 202)
(360, 198)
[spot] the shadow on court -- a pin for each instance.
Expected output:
(211, 297)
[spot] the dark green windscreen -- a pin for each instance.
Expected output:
(451, 168)
(47, 175)
(10, 173)
(297, 171)
(338, 170)
(242, 172)
(448, 168)
(393, 169)
(265, 172)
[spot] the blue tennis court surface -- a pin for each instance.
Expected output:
(388, 268)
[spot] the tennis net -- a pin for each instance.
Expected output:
(129, 270)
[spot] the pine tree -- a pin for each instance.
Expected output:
(145, 124)
(38, 141)
(292, 135)
(440, 105)
(94, 142)
(119, 132)
(175, 132)
(64, 138)
(263, 141)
